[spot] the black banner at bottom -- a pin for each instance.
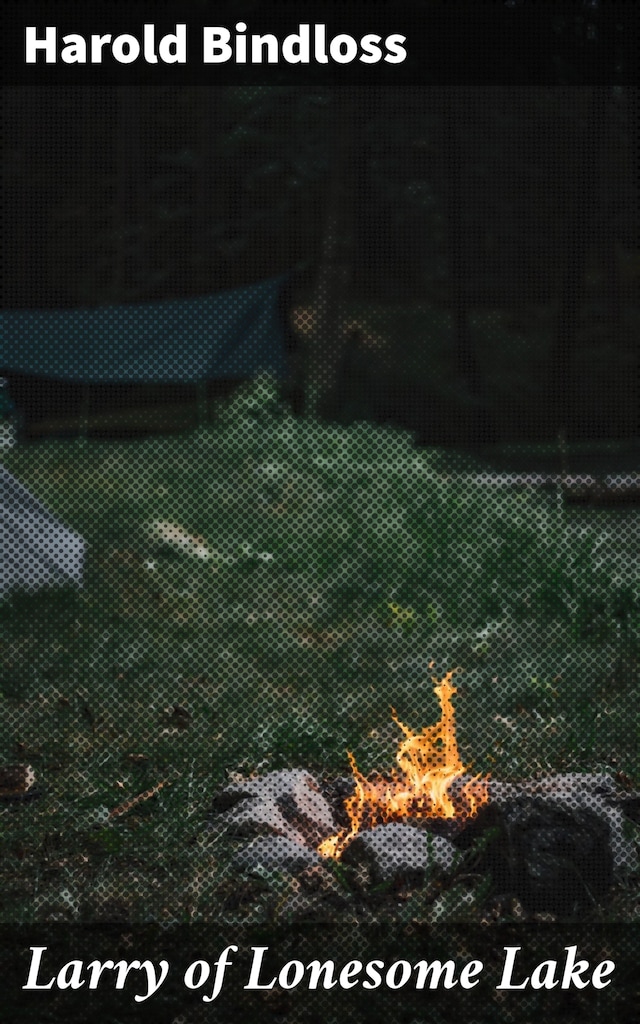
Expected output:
(360, 973)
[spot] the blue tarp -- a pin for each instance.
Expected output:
(231, 335)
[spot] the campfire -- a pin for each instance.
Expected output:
(422, 787)
(555, 843)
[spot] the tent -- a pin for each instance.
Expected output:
(37, 549)
(54, 358)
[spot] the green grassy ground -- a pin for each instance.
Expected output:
(341, 562)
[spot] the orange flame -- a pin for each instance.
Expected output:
(429, 765)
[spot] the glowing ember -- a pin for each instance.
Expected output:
(429, 765)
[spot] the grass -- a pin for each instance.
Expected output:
(342, 561)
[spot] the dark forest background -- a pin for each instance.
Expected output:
(468, 258)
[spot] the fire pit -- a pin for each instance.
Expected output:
(555, 843)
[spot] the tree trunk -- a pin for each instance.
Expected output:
(582, 207)
(461, 263)
(131, 268)
(608, 241)
(325, 346)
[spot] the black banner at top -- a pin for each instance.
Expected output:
(423, 42)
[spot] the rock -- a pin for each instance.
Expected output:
(466, 792)
(401, 852)
(306, 804)
(286, 802)
(553, 859)
(573, 791)
(259, 816)
(585, 789)
(276, 853)
(337, 791)
(553, 843)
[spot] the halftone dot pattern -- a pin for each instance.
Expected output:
(266, 594)
(233, 335)
(222, 648)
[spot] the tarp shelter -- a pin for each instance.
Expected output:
(229, 336)
(50, 356)
(36, 549)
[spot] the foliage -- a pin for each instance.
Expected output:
(480, 201)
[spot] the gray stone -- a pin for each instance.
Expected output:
(399, 852)
(255, 817)
(554, 859)
(288, 803)
(276, 853)
(289, 806)
(573, 791)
